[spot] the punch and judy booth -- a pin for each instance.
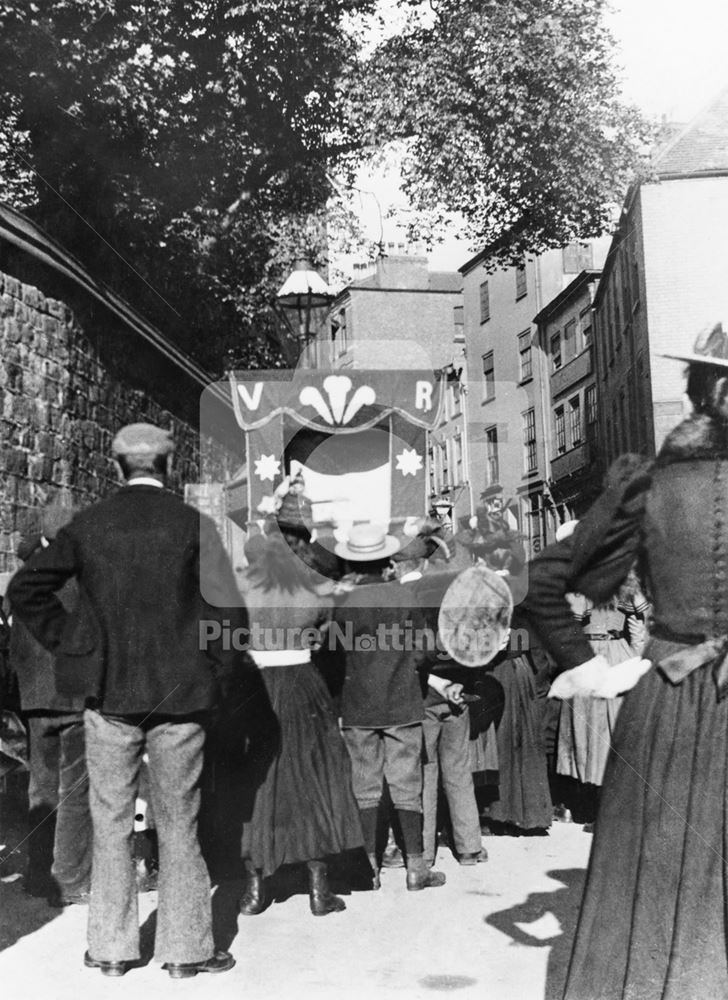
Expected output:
(358, 438)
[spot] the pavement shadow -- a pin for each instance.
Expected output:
(21, 914)
(563, 904)
(225, 912)
(147, 933)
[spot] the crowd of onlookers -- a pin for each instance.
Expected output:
(326, 740)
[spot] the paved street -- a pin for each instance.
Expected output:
(499, 931)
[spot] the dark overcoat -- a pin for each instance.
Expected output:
(156, 593)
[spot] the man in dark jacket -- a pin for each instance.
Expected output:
(59, 843)
(382, 704)
(153, 577)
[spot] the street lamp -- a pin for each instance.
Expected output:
(301, 300)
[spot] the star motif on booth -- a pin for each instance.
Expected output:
(267, 467)
(409, 462)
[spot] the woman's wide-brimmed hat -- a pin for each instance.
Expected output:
(710, 348)
(367, 543)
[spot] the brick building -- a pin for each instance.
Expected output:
(78, 364)
(405, 315)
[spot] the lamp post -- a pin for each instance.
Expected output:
(300, 302)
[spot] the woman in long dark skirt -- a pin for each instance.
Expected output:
(524, 803)
(653, 922)
(303, 809)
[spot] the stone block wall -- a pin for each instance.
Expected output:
(60, 407)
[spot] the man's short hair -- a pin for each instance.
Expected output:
(144, 465)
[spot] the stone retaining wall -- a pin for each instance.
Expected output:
(60, 407)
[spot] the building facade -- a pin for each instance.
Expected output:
(565, 338)
(663, 281)
(508, 377)
(405, 315)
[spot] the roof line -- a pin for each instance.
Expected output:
(687, 127)
(582, 278)
(500, 241)
(684, 175)
(419, 291)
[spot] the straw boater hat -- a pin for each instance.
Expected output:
(367, 543)
(711, 348)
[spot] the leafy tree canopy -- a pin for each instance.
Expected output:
(512, 117)
(184, 149)
(192, 136)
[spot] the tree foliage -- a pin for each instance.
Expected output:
(191, 136)
(512, 118)
(184, 149)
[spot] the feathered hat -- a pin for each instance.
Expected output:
(710, 348)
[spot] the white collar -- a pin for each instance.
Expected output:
(414, 574)
(144, 481)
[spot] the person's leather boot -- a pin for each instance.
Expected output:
(221, 961)
(321, 897)
(376, 882)
(392, 857)
(116, 969)
(420, 876)
(253, 900)
(473, 858)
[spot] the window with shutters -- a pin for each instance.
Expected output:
(529, 440)
(575, 421)
(591, 406)
(492, 472)
(484, 302)
(525, 366)
(488, 376)
(556, 352)
(585, 320)
(521, 288)
(560, 430)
